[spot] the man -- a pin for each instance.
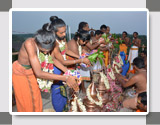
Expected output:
(106, 31)
(96, 38)
(134, 50)
(61, 49)
(127, 41)
(83, 26)
(142, 102)
(139, 80)
(67, 57)
(27, 69)
(144, 56)
(103, 28)
(92, 33)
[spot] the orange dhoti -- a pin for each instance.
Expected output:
(123, 48)
(106, 54)
(27, 92)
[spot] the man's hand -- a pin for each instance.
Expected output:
(86, 61)
(72, 83)
(102, 41)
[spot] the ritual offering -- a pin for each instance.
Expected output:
(86, 55)
(77, 105)
(103, 87)
(74, 73)
(117, 64)
(97, 60)
(93, 101)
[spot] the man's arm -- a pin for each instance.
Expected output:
(92, 47)
(139, 43)
(73, 47)
(70, 53)
(58, 64)
(125, 82)
(103, 48)
(60, 58)
(33, 59)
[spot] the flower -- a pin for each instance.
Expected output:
(106, 82)
(43, 64)
(50, 66)
(79, 103)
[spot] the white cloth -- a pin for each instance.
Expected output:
(132, 55)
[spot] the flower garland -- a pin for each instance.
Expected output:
(117, 69)
(120, 59)
(111, 74)
(116, 63)
(62, 48)
(74, 106)
(105, 79)
(91, 99)
(47, 66)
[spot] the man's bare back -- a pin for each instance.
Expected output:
(23, 55)
(141, 81)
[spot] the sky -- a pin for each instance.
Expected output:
(118, 21)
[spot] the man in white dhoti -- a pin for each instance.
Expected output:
(134, 50)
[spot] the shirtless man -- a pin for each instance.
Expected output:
(139, 80)
(83, 26)
(79, 40)
(134, 50)
(136, 41)
(144, 56)
(103, 28)
(61, 48)
(27, 69)
(96, 38)
(126, 39)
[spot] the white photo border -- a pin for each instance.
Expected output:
(74, 9)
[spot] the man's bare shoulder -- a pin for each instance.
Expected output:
(127, 38)
(72, 41)
(29, 43)
(139, 39)
(139, 76)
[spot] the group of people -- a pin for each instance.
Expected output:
(49, 63)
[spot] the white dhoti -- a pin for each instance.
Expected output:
(133, 53)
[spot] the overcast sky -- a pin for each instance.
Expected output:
(119, 21)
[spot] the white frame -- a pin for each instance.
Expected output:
(73, 9)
